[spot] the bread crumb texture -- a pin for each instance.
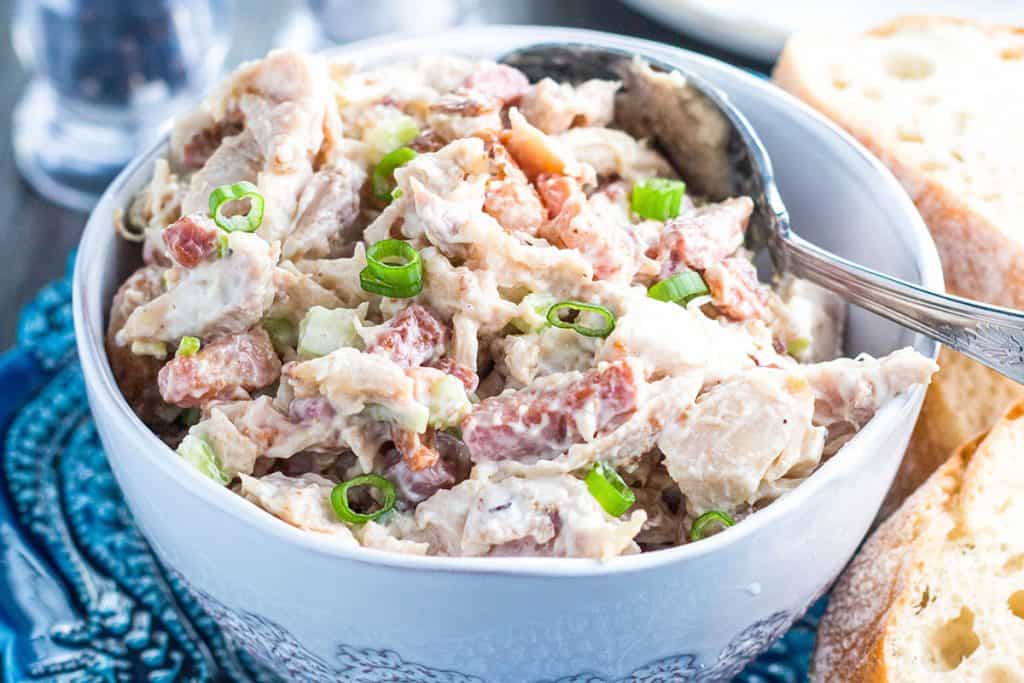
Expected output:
(940, 101)
(937, 592)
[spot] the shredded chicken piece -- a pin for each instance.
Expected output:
(224, 296)
(550, 516)
(719, 463)
(556, 107)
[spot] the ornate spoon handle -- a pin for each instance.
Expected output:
(990, 335)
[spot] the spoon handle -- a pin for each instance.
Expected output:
(990, 335)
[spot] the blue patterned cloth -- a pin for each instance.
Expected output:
(82, 597)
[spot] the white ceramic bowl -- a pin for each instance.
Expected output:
(315, 612)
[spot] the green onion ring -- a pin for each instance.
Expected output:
(383, 276)
(608, 488)
(232, 193)
(680, 288)
(223, 246)
(709, 517)
(657, 198)
(384, 172)
(581, 307)
(339, 498)
(188, 346)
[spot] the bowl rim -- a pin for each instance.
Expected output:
(104, 391)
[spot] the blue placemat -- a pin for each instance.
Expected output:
(82, 597)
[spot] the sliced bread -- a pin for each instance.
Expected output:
(937, 592)
(939, 100)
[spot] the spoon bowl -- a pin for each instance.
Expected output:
(716, 150)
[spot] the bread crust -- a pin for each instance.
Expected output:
(870, 593)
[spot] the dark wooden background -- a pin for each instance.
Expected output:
(36, 236)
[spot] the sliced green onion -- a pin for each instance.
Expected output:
(224, 194)
(223, 250)
(607, 487)
(393, 269)
(797, 346)
(391, 133)
(384, 172)
(196, 451)
(680, 288)
(533, 310)
(697, 531)
(657, 198)
(188, 346)
(339, 498)
(608, 318)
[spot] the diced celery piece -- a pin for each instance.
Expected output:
(415, 419)
(448, 402)
(798, 346)
(324, 330)
(197, 452)
(533, 312)
(391, 133)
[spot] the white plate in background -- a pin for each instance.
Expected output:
(758, 28)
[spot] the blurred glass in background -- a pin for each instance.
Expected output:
(107, 76)
(321, 23)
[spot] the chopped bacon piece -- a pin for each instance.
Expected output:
(452, 367)
(427, 141)
(201, 146)
(227, 368)
(411, 338)
(555, 191)
(703, 237)
(191, 239)
(509, 197)
(609, 248)
(534, 151)
(468, 103)
(500, 81)
(735, 290)
(310, 409)
(419, 451)
(414, 486)
(543, 422)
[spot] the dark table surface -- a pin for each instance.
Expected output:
(37, 236)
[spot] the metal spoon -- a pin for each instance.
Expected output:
(716, 150)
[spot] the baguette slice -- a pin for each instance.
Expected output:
(937, 592)
(940, 102)
(964, 399)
